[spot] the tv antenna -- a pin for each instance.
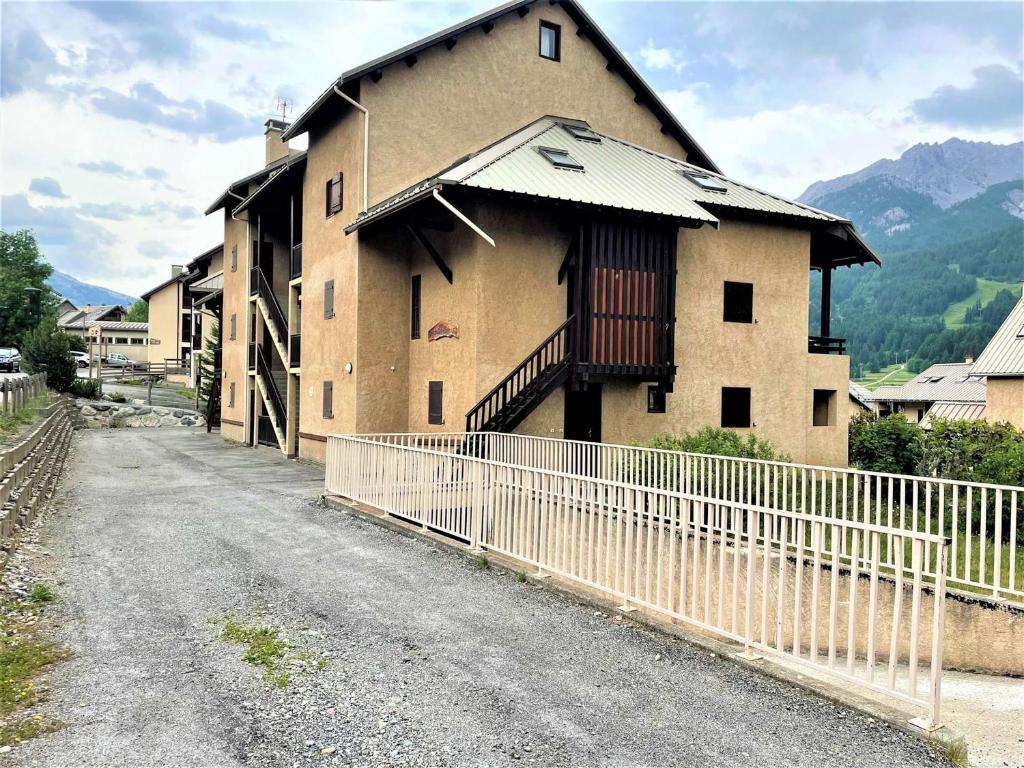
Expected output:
(284, 107)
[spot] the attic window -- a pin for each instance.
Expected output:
(560, 158)
(550, 41)
(1020, 332)
(582, 133)
(705, 182)
(937, 379)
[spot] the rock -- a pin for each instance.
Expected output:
(151, 420)
(188, 421)
(101, 406)
(159, 410)
(142, 410)
(133, 421)
(328, 750)
(178, 413)
(88, 410)
(168, 421)
(107, 397)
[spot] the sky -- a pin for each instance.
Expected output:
(120, 122)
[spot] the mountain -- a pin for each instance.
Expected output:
(946, 173)
(948, 222)
(80, 294)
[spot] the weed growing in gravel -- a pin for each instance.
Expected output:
(41, 594)
(118, 397)
(263, 649)
(521, 577)
(957, 753)
(481, 563)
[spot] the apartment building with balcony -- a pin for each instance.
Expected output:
(501, 227)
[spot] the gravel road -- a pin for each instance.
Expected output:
(159, 533)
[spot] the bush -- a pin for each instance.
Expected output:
(87, 388)
(718, 442)
(77, 343)
(885, 444)
(46, 351)
(118, 397)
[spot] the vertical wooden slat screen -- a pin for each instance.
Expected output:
(328, 299)
(414, 310)
(435, 402)
(328, 403)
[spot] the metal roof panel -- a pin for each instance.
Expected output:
(1004, 354)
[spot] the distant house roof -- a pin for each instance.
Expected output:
(606, 171)
(861, 395)
(947, 382)
(953, 412)
(108, 325)
(89, 315)
(239, 189)
(586, 26)
(1004, 354)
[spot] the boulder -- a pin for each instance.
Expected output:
(101, 406)
(178, 413)
(133, 421)
(161, 411)
(168, 421)
(151, 420)
(188, 421)
(142, 410)
(88, 410)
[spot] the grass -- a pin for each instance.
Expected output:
(188, 393)
(41, 594)
(118, 397)
(953, 317)
(956, 753)
(24, 655)
(521, 577)
(263, 648)
(12, 424)
(891, 374)
(481, 563)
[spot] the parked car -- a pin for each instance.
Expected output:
(117, 360)
(10, 359)
(81, 358)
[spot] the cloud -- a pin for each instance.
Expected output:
(661, 58)
(47, 187)
(26, 62)
(125, 212)
(147, 104)
(228, 29)
(150, 31)
(65, 238)
(994, 100)
(116, 169)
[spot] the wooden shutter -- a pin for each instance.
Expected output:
(414, 326)
(435, 402)
(328, 406)
(328, 299)
(231, 395)
(234, 258)
(333, 194)
(234, 326)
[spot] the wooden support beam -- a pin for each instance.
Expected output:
(523, 11)
(410, 61)
(826, 302)
(376, 75)
(429, 247)
(450, 42)
(570, 254)
(487, 27)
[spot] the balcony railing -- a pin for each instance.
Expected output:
(296, 261)
(826, 345)
(295, 351)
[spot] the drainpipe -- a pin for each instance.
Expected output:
(240, 199)
(366, 141)
(463, 217)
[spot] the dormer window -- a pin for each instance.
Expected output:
(582, 133)
(550, 41)
(560, 158)
(705, 182)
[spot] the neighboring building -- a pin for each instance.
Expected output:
(1002, 362)
(589, 273)
(944, 390)
(64, 306)
(116, 335)
(861, 400)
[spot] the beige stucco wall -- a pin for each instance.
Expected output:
(236, 299)
(165, 323)
(1005, 400)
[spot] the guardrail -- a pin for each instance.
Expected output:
(16, 392)
(983, 522)
(29, 469)
(746, 569)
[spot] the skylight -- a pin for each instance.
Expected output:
(1020, 332)
(582, 133)
(705, 182)
(560, 158)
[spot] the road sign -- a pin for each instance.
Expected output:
(95, 332)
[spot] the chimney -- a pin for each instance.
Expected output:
(969, 359)
(276, 149)
(176, 269)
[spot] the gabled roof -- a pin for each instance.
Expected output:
(615, 174)
(170, 281)
(953, 412)
(947, 382)
(95, 313)
(237, 190)
(616, 61)
(297, 159)
(206, 256)
(109, 325)
(1004, 354)
(860, 394)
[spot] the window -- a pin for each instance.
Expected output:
(334, 196)
(435, 402)
(824, 414)
(655, 399)
(328, 407)
(231, 395)
(234, 327)
(739, 303)
(550, 41)
(705, 182)
(414, 310)
(136, 340)
(234, 258)
(582, 133)
(560, 158)
(328, 299)
(121, 340)
(736, 407)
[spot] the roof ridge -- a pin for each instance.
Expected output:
(515, 148)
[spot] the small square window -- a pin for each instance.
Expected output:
(582, 133)
(824, 414)
(736, 407)
(705, 182)
(738, 302)
(550, 41)
(655, 399)
(560, 158)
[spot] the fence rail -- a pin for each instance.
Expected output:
(16, 392)
(746, 567)
(983, 522)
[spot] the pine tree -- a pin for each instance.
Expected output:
(207, 372)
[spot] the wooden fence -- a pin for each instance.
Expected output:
(16, 392)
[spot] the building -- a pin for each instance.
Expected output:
(1002, 362)
(951, 391)
(116, 334)
(177, 328)
(861, 400)
(501, 227)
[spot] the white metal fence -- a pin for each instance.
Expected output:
(751, 566)
(984, 523)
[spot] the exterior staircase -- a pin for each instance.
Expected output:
(267, 384)
(273, 315)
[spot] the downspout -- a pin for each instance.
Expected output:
(463, 217)
(240, 198)
(366, 142)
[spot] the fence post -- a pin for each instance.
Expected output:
(477, 516)
(931, 721)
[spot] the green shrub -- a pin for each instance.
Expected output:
(118, 397)
(46, 351)
(885, 444)
(88, 388)
(718, 442)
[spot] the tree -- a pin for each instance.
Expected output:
(207, 371)
(888, 444)
(25, 298)
(46, 351)
(77, 343)
(138, 312)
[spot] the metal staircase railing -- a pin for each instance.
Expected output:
(270, 384)
(511, 401)
(264, 291)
